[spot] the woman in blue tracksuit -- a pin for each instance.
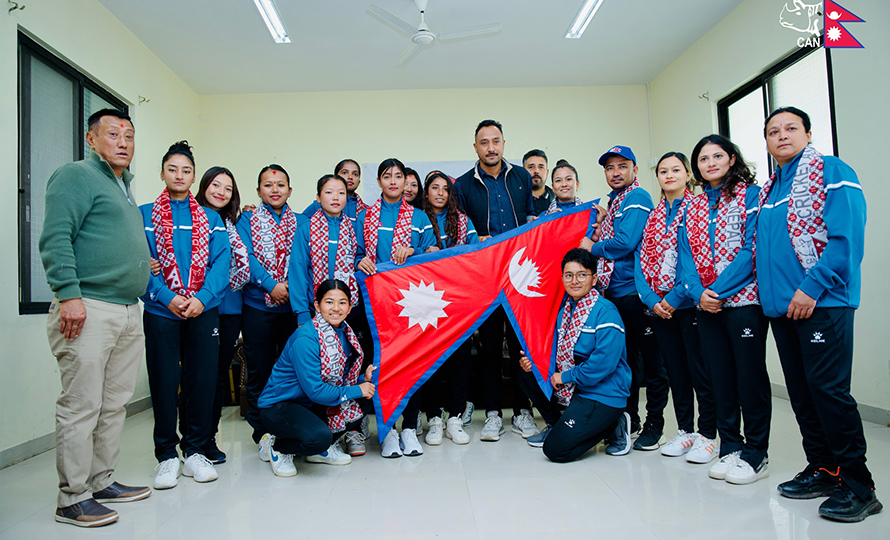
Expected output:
(717, 271)
(809, 248)
(181, 317)
(451, 227)
(393, 230)
(310, 397)
(267, 317)
(591, 379)
(218, 191)
(674, 322)
(565, 185)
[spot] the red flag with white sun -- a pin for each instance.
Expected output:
(836, 35)
(422, 311)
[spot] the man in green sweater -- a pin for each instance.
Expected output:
(97, 264)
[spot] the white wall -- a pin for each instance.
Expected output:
(742, 45)
(308, 133)
(85, 33)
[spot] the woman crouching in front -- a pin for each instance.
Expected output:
(309, 401)
(592, 379)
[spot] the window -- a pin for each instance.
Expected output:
(802, 80)
(55, 101)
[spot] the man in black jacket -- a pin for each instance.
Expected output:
(497, 197)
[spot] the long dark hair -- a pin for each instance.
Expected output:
(451, 208)
(232, 209)
(418, 199)
(738, 171)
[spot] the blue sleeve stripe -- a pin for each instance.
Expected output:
(843, 184)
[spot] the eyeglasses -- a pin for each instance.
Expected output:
(569, 277)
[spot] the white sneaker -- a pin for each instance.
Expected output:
(200, 468)
(467, 416)
(168, 472)
(436, 429)
(366, 427)
(282, 464)
(525, 424)
(391, 447)
(332, 456)
(493, 428)
(704, 450)
(744, 473)
(419, 428)
(265, 445)
(680, 444)
(355, 443)
(728, 462)
(410, 445)
(454, 430)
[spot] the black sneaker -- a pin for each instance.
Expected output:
(86, 513)
(635, 429)
(846, 506)
(810, 484)
(213, 453)
(619, 443)
(118, 493)
(649, 439)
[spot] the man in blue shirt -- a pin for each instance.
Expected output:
(621, 229)
(810, 244)
(497, 197)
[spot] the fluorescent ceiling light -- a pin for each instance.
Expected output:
(583, 18)
(273, 20)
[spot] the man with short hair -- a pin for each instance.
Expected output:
(620, 233)
(97, 264)
(535, 162)
(497, 197)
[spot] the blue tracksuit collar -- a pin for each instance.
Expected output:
(788, 170)
(390, 206)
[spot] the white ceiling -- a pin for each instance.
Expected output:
(223, 47)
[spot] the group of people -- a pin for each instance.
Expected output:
(668, 296)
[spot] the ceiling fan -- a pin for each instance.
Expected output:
(421, 36)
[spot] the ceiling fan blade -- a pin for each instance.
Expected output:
(409, 54)
(389, 17)
(472, 31)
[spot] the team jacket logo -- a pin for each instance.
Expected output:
(215, 333)
(570, 422)
(747, 332)
(817, 338)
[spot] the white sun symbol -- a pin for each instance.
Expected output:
(422, 305)
(834, 33)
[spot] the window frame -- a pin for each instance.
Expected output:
(28, 48)
(761, 82)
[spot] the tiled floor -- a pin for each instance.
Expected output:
(482, 490)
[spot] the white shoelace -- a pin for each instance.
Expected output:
(167, 466)
(681, 436)
(200, 461)
(285, 459)
(354, 438)
(491, 422)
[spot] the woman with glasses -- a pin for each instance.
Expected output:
(591, 382)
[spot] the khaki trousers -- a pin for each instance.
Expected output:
(98, 370)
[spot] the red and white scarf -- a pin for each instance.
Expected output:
(359, 205)
(462, 228)
(729, 238)
(319, 238)
(569, 332)
(162, 221)
(333, 362)
(553, 208)
(239, 264)
(658, 255)
(605, 266)
(806, 228)
(272, 242)
(401, 236)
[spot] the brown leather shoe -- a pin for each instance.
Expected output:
(118, 493)
(86, 513)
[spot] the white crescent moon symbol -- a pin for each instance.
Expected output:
(524, 275)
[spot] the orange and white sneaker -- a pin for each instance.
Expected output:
(680, 444)
(704, 450)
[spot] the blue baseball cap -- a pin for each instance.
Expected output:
(622, 151)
